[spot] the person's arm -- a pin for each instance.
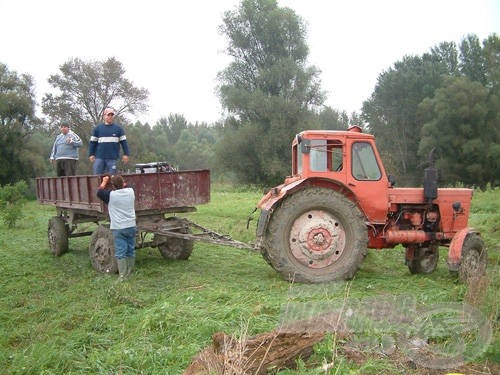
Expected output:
(102, 192)
(76, 140)
(93, 144)
(123, 142)
(53, 152)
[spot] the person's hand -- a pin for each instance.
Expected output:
(92, 158)
(104, 182)
(125, 159)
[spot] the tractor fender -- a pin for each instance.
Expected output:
(455, 249)
(291, 185)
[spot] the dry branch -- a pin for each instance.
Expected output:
(273, 350)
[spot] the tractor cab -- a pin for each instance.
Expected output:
(347, 159)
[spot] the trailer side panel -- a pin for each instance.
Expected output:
(154, 191)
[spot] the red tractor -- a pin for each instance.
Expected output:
(339, 201)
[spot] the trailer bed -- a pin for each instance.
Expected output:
(161, 191)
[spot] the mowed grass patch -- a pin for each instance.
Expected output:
(59, 316)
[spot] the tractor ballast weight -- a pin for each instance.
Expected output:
(339, 201)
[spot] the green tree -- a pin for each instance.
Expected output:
(172, 127)
(461, 124)
(445, 54)
(472, 60)
(267, 90)
(17, 121)
(330, 119)
(391, 112)
(86, 89)
(194, 149)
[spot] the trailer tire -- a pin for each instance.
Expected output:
(102, 251)
(316, 235)
(473, 258)
(175, 248)
(58, 236)
(425, 260)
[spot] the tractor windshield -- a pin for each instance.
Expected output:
(364, 163)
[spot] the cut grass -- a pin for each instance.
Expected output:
(59, 316)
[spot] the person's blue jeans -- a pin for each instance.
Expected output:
(124, 240)
(102, 166)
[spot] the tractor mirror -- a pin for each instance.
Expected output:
(392, 180)
(305, 146)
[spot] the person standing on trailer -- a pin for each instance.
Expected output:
(120, 200)
(65, 151)
(104, 147)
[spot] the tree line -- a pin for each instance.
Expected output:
(444, 103)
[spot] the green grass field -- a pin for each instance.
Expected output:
(58, 316)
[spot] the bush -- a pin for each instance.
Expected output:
(12, 200)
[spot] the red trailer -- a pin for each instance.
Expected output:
(157, 195)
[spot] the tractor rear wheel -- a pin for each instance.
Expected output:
(58, 236)
(102, 251)
(173, 247)
(473, 259)
(316, 235)
(425, 259)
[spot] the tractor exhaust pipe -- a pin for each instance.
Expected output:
(430, 180)
(411, 236)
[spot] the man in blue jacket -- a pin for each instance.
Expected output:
(104, 147)
(65, 151)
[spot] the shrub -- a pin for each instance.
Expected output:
(12, 200)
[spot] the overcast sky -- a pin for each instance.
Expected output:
(174, 49)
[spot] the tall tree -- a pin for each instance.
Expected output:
(330, 119)
(391, 112)
(86, 89)
(461, 124)
(491, 60)
(472, 60)
(267, 88)
(17, 121)
(172, 127)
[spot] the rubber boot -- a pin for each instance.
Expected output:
(130, 265)
(122, 268)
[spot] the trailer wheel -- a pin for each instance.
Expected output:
(473, 259)
(58, 236)
(172, 247)
(102, 251)
(425, 259)
(317, 235)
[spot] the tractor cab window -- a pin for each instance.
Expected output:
(318, 155)
(364, 163)
(326, 155)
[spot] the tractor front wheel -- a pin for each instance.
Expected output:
(473, 259)
(424, 259)
(316, 235)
